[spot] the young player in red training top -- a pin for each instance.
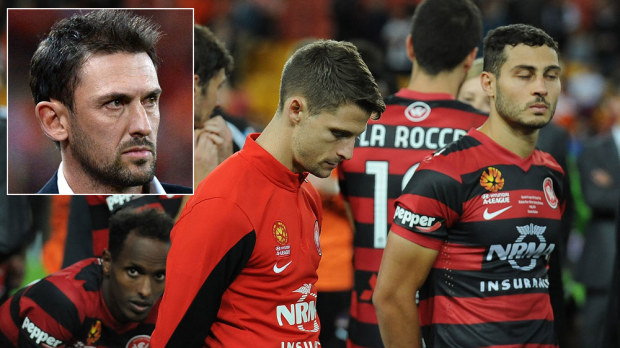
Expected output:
(242, 266)
(107, 302)
(418, 120)
(474, 228)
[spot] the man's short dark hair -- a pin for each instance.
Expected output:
(444, 32)
(145, 222)
(55, 66)
(512, 35)
(330, 74)
(210, 55)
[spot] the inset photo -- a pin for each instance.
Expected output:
(100, 101)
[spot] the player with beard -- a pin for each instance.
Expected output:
(474, 228)
(97, 302)
(418, 120)
(95, 86)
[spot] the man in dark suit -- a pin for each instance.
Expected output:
(95, 85)
(599, 168)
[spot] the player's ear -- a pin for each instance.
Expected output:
(197, 86)
(107, 262)
(296, 108)
(53, 117)
(488, 81)
(409, 45)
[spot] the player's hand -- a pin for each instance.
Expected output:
(221, 135)
(212, 145)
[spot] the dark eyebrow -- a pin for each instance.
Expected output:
(124, 97)
(553, 67)
(532, 68)
(343, 132)
(154, 93)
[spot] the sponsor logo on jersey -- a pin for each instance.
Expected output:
(417, 112)
(280, 234)
(116, 201)
(39, 336)
(423, 223)
(301, 314)
(140, 341)
(317, 237)
(491, 179)
(491, 215)
(515, 283)
(304, 344)
(94, 333)
(496, 198)
(518, 253)
(279, 270)
(552, 199)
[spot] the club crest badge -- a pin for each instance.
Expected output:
(552, 199)
(140, 341)
(317, 235)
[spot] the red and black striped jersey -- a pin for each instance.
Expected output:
(91, 213)
(241, 271)
(495, 218)
(413, 125)
(66, 309)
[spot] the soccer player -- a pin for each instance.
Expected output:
(476, 224)
(213, 140)
(103, 302)
(96, 91)
(242, 267)
(418, 120)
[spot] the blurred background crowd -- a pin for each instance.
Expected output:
(260, 34)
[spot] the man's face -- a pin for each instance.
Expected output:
(471, 92)
(322, 141)
(113, 129)
(136, 277)
(528, 87)
(207, 97)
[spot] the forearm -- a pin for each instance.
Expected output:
(398, 321)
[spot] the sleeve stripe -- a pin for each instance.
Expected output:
(50, 298)
(196, 323)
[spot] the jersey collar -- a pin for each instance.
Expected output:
(270, 166)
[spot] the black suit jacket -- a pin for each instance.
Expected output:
(51, 187)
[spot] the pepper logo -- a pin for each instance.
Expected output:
(279, 233)
(94, 333)
(492, 179)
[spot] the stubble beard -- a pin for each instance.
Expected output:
(113, 173)
(511, 112)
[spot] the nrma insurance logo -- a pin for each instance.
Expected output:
(529, 246)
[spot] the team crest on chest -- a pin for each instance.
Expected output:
(492, 180)
(317, 239)
(552, 199)
(94, 333)
(140, 341)
(280, 234)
